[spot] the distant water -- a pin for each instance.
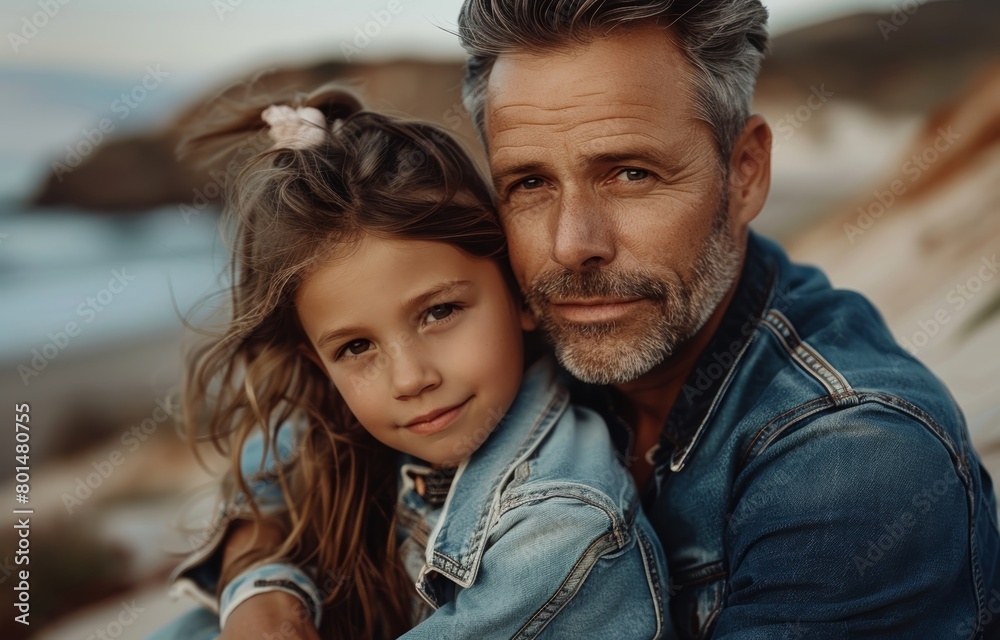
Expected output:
(51, 262)
(44, 110)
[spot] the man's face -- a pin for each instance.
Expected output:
(612, 198)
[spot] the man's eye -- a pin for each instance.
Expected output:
(530, 183)
(631, 175)
(355, 347)
(440, 311)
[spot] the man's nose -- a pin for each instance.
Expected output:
(583, 237)
(412, 373)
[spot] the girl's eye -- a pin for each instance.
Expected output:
(355, 348)
(632, 175)
(440, 311)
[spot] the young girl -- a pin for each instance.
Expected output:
(427, 479)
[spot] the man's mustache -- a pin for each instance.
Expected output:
(598, 283)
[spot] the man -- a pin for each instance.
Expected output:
(807, 478)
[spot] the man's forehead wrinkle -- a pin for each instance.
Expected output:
(512, 116)
(612, 102)
(588, 95)
(631, 136)
(654, 143)
(522, 147)
(501, 112)
(584, 127)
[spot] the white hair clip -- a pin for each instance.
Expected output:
(295, 128)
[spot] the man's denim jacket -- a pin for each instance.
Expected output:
(541, 535)
(813, 480)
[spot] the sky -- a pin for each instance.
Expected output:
(216, 37)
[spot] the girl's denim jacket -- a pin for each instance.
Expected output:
(541, 534)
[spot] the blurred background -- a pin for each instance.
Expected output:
(886, 173)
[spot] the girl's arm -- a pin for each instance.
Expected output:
(274, 612)
(276, 603)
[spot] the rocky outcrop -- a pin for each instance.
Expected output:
(133, 174)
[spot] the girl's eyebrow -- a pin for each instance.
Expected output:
(450, 287)
(332, 336)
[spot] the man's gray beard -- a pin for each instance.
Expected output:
(609, 353)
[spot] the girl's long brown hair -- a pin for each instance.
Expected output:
(287, 210)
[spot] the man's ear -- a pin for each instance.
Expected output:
(750, 171)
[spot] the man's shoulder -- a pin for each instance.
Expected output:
(818, 351)
(875, 430)
(814, 342)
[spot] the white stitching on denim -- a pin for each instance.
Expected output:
(806, 355)
(577, 576)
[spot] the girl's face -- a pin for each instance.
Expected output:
(422, 340)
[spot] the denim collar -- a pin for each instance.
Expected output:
(456, 544)
(709, 379)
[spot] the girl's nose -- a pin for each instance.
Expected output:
(412, 374)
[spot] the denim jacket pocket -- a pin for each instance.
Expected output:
(696, 597)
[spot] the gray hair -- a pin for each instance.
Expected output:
(724, 41)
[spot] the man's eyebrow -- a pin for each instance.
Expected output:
(450, 287)
(520, 169)
(663, 160)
